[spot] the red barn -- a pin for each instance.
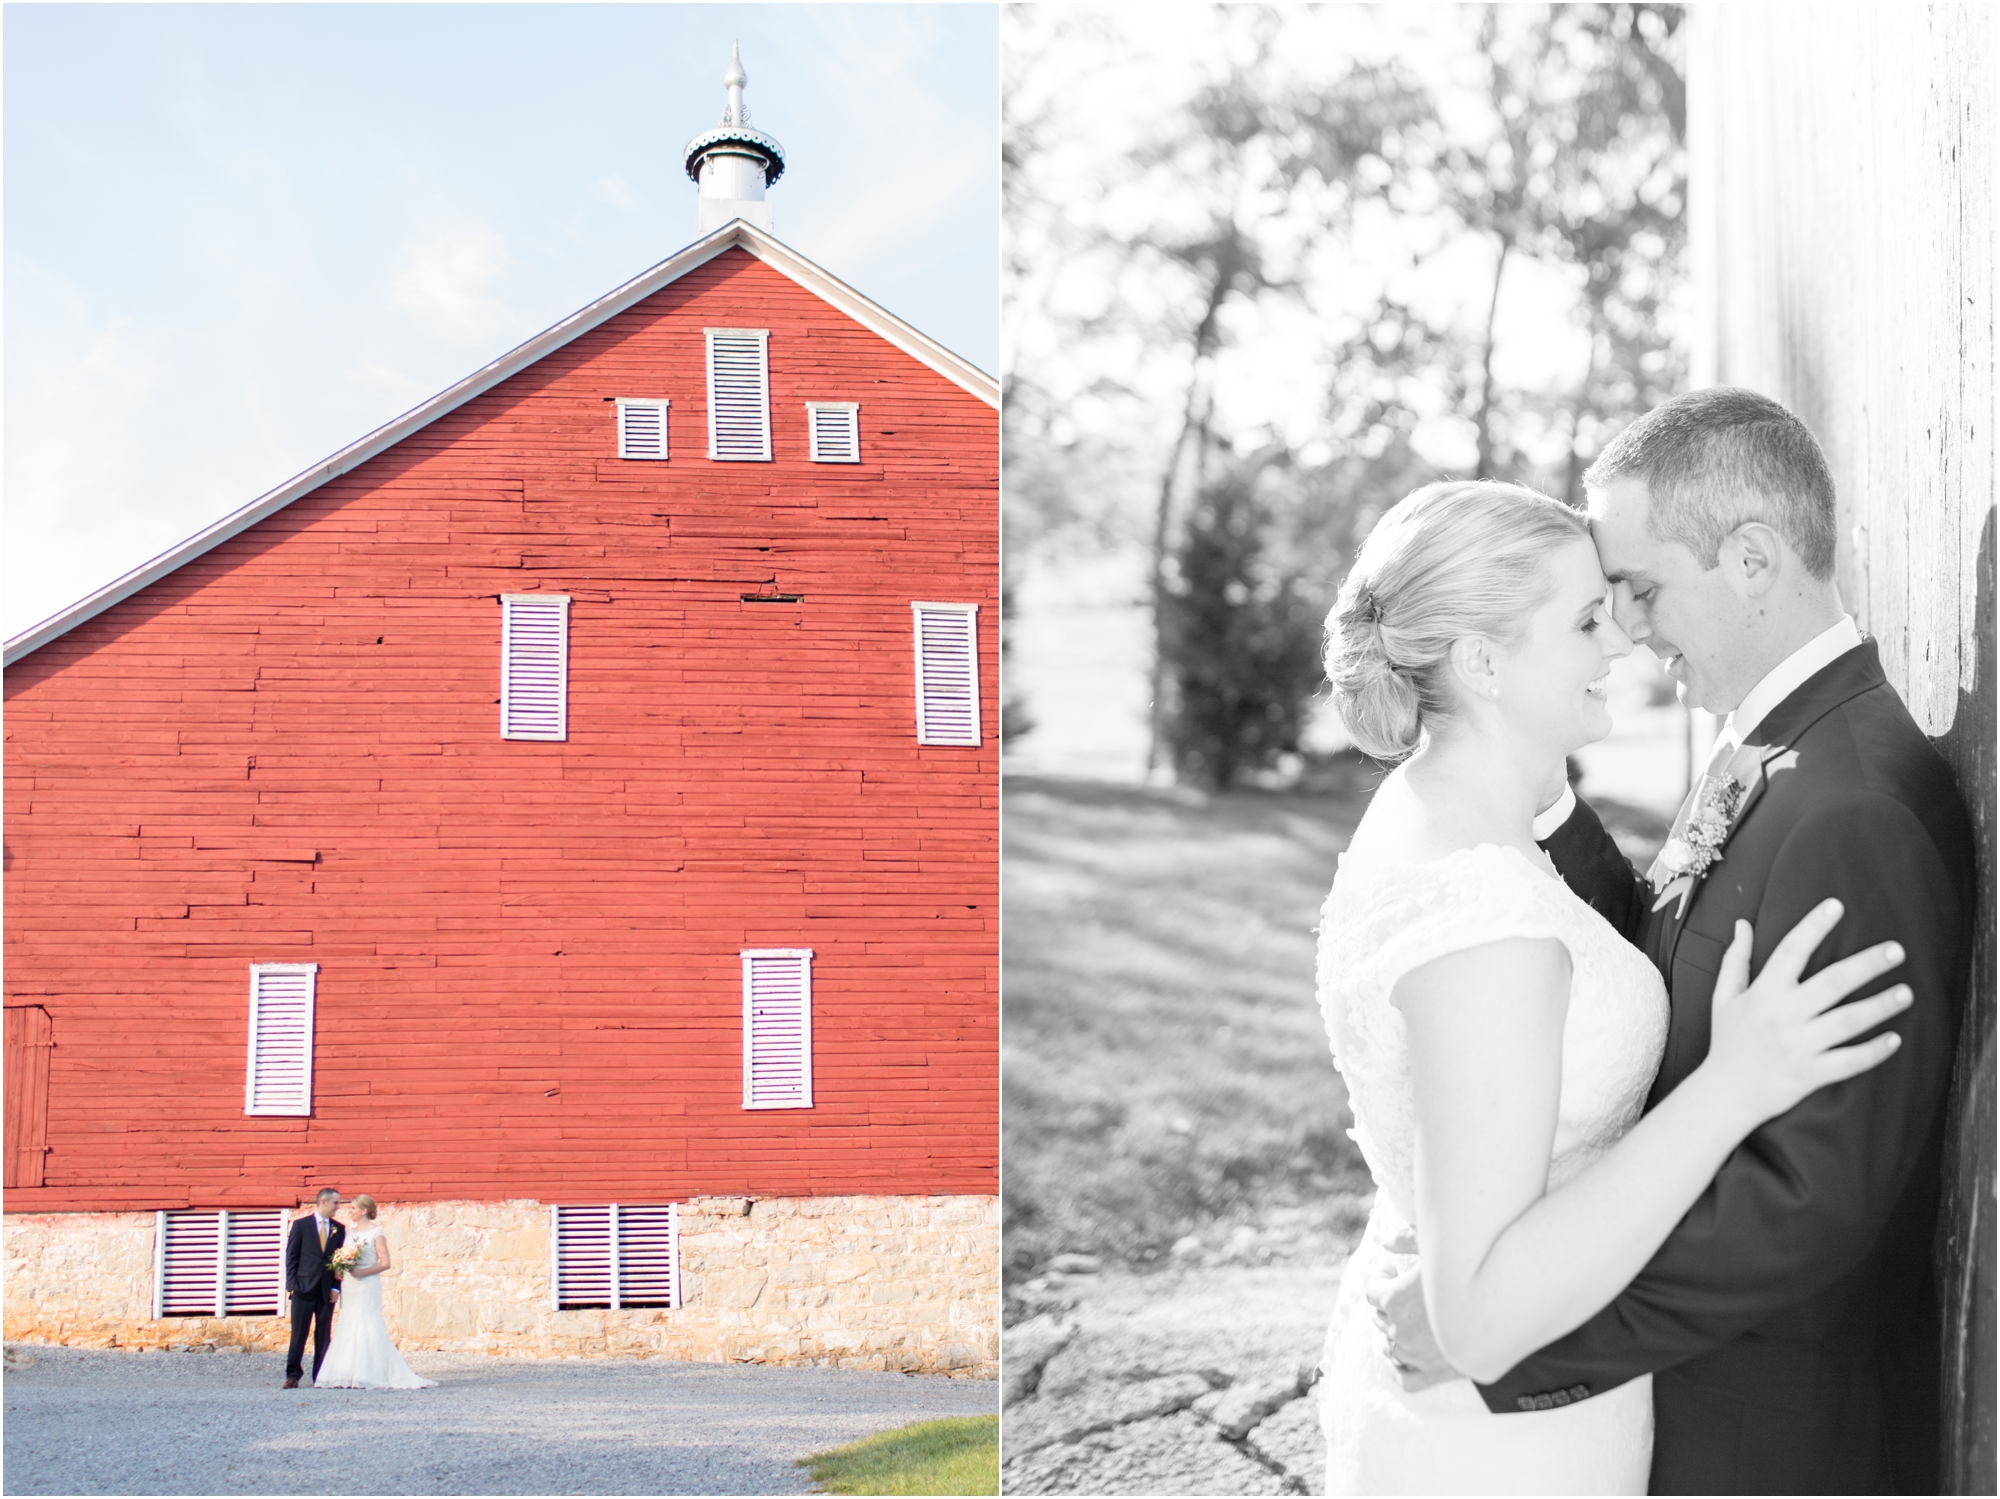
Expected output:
(569, 815)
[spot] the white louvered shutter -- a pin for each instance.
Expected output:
(253, 1277)
(219, 1264)
(534, 666)
(777, 1028)
(185, 1262)
(836, 431)
(739, 394)
(649, 1254)
(279, 1078)
(642, 429)
(582, 1246)
(616, 1255)
(947, 639)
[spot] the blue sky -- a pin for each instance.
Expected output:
(240, 236)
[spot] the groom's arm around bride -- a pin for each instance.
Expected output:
(1796, 1299)
(1790, 1320)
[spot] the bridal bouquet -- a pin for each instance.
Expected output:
(345, 1259)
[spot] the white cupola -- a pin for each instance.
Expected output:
(733, 164)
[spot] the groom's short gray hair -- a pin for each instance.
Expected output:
(1713, 460)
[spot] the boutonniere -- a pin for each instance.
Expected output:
(1699, 845)
(1720, 802)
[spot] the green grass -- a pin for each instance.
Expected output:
(1164, 1069)
(956, 1456)
(1163, 1064)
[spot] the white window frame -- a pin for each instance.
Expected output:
(763, 337)
(626, 405)
(852, 411)
(614, 1222)
(803, 956)
(928, 733)
(277, 1220)
(252, 1103)
(509, 604)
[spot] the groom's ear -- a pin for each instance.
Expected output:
(1751, 558)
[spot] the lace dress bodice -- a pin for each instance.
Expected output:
(366, 1238)
(1381, 921)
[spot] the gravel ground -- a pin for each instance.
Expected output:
(89, 1422)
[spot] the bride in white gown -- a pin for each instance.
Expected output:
(362, 1356)
(1497, 1036)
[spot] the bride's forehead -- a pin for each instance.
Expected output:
(1577, 564)
(1581, 552)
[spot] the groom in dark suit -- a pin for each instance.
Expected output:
(311, 1283)
(1790, 1321)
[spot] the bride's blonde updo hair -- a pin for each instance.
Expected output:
(365, 1204)
(1450, 560)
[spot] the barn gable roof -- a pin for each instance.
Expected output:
(735, 235)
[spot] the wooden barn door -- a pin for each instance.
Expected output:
(27, 1082)
(1841, 217)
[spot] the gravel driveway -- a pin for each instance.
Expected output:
(89, 1422)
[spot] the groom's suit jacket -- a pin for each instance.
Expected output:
(306, 1271)
(1790, 1320)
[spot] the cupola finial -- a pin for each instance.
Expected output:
(733, 164)
(734, 112)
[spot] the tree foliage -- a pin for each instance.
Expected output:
(1378, 210)
(1239, 631)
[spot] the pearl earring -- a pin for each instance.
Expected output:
(1496, 693)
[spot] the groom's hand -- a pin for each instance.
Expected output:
(1397, 1295)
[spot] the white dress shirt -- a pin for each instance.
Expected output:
(1788, 676)
(1547, 822)
(1777, 684)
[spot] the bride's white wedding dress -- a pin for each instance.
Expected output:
(363, 1356)
(1379, 922)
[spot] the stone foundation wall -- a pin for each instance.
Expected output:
(897, 1283)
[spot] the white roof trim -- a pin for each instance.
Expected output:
(735, 234)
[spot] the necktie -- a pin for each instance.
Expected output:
(322, 1233)
(1725, 751)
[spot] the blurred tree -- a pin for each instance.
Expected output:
(1244, 146)
(1621, 214)
(1034, 494)
(1579, 163)
(1389, 204)
(1015, 720)
(1238, 632)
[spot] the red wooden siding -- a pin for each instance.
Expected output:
(529, 981)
